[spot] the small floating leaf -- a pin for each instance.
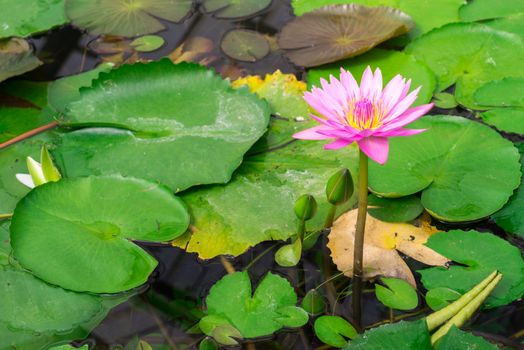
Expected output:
(292, 316)
(394, 209)
(333, 330)
(336, 32)
(24, 18)
(397, 294)
(479, 255)
(226, 335)
(245, 45)
(235, 9)
(148, 43)
(465, 170)
(88, 223)
(253, 314)
(16, 57)
(313, 302)
(126, 17)
(438, 298)
(445, 100)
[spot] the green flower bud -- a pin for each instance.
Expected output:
(305, 207)
(339, 187)
(313, 302)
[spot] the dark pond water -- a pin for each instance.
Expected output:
(163, 310)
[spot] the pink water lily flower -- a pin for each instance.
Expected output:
(367, 115)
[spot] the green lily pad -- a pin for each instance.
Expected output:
(245, 45)
(257, 205)
(180, 124)
(445, 100)
(292, 316)
(402, 335)
(235, 9)
(12, 162)
(390, 63)
(22, 93)
(505, 119)
(87, 224)
(513, 24)
(336, 32)
(439, 298)
(333, 330)
(69, 347)
(148, 43)
(5, 246)
(62, 92)
(486, 9)
(51, 315)
(481, 253)
(394, 210)
(16, 57)
(16, 121)
(126, 17)
(397, 294)
(442, 11)
(253, 314)
(465, 170)
(27, 18)
(456, 339)
(510, 218)
(476, 55)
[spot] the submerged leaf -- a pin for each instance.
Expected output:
(235, 9)
(479, 255)
(88, 224)
(126, 17)
(381, 242)
(253, 314)
(336, 32)
(465, 170)
(245, 45)
(16, 57)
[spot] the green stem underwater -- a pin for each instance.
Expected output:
(358, 255)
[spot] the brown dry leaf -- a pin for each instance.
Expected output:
(335, 32)
(196, 49)
(381, 243)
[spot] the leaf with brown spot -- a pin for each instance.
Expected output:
(335, 32)
(382, 242)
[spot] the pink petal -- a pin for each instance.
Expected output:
(366, 82)
(410, 116)
(350, 84)
(313, 133)
(376, 148)
(392, 91)
(340, 134)
(316, 103)
(376, 87)
(403, 105)
(337, 144)
(399, 132)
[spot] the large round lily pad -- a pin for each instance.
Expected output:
(465, 170)
(442, 11)
(126, 17)
(478, 254)
(257, 205)
(256, 313)
(235, 9)
(180, 124)
(513, 24)
(485, 9)
(476, 55)
(24, 18)
(390, 63)
(76, 233)
(510, 218)
(334, 32)
(16, 57)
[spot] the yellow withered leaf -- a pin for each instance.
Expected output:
(382, 242)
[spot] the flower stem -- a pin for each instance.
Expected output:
(359, 240)
(330, 216)
(28, 134)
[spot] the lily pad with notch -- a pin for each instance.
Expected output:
(333, 330)
(127, 18)
(478, 254)
(88, 224)
(235, 9)
(254, 314)
(146, 120)
(397, 294)
(394, 210)
(336, 32)
(465, 170)
(245, 45)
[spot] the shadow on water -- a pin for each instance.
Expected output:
(172, 301)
